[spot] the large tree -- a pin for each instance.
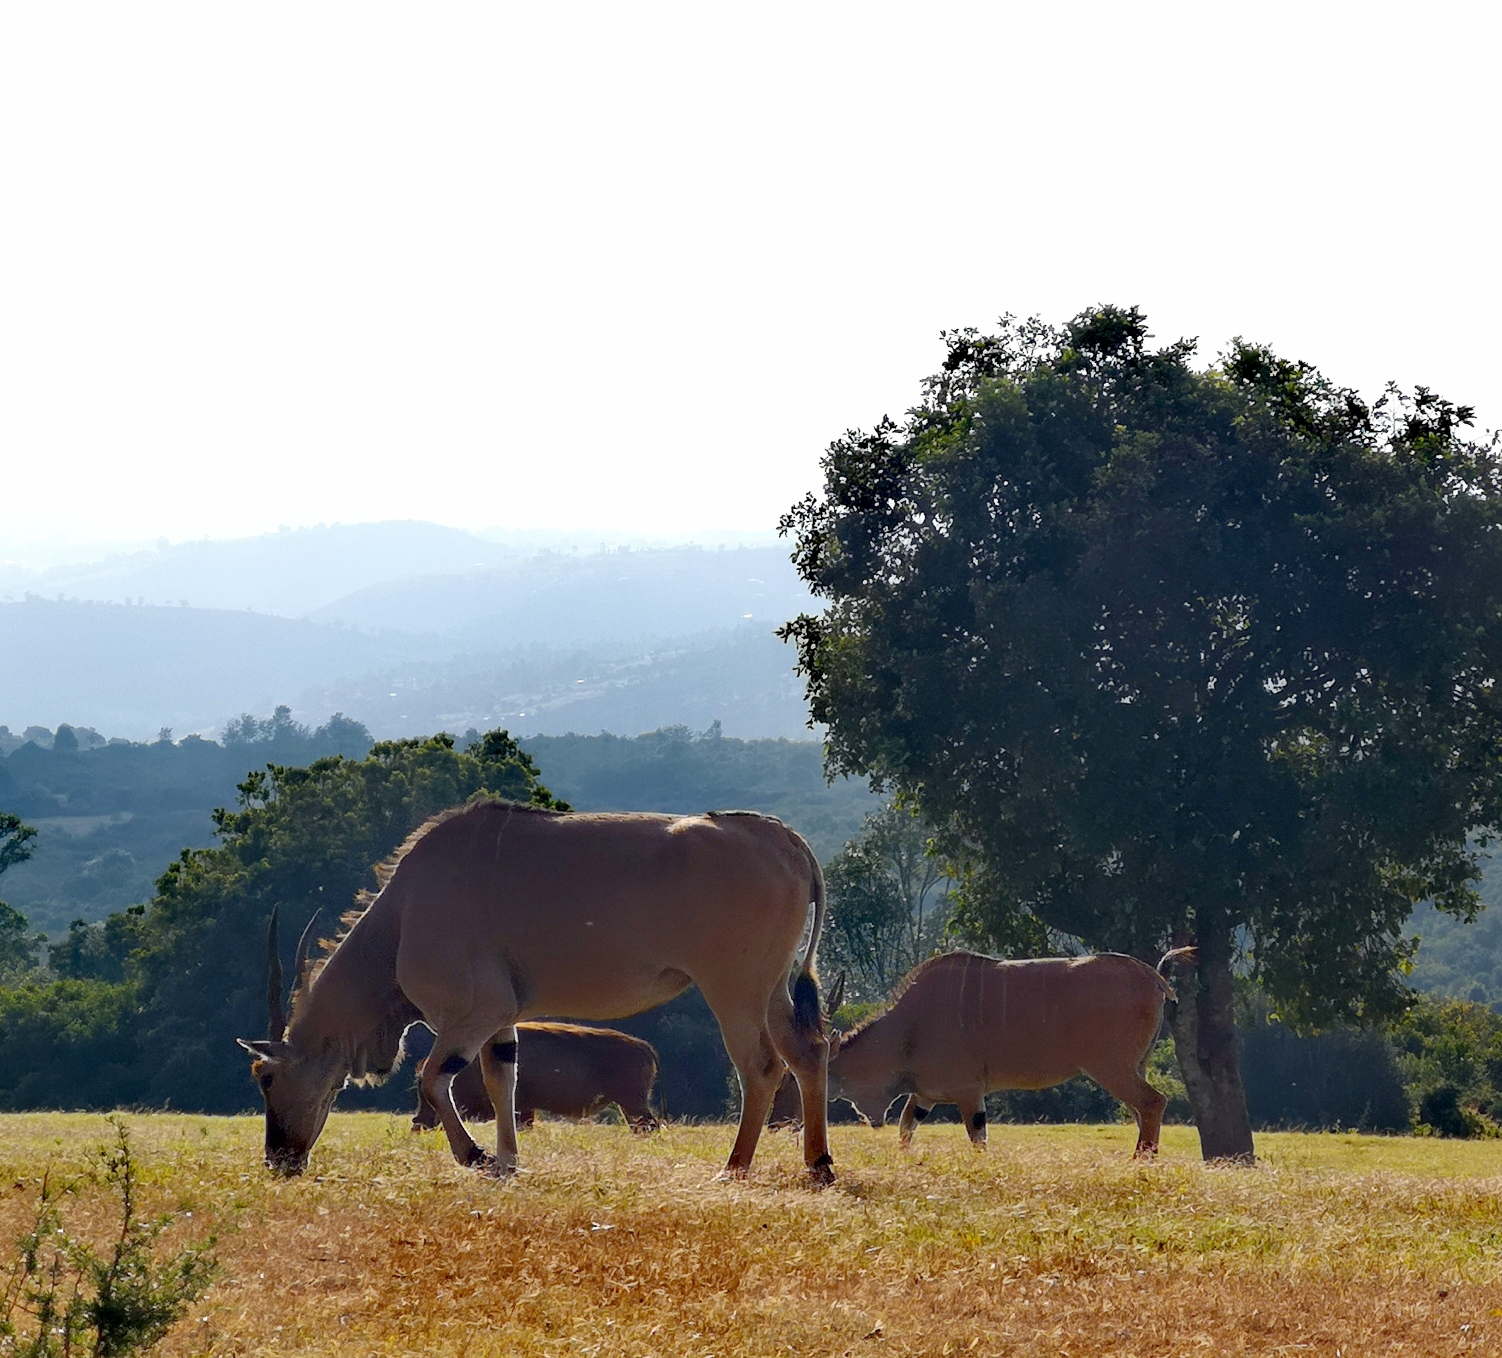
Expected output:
(1169, 653)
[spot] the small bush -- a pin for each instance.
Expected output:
(65, 1297)
(1344, 1077)
(1441, 1113)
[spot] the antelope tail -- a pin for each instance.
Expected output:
(808, 1013)
(1172, 956)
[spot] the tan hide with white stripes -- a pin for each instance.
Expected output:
(964, 1025)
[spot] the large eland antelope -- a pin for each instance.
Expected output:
(963, 1026)
(496, 912)
(564, 1069)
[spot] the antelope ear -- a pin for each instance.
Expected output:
(261, 1046)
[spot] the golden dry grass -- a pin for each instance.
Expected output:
(1053, 1243)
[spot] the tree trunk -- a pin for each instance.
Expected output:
(1204, 1037)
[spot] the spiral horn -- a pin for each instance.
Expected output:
(304, 946)
(276, 1014)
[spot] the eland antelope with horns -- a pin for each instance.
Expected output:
(497, 912)
(962, 1026)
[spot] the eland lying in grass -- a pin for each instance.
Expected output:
(495, 912)
(963, 1026)
(564, 1069)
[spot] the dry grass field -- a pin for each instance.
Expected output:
(1054, 1242)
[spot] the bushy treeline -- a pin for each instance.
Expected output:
(1437, 1070)
(73, 777)
(111, 814)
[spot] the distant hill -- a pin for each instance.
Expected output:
(1462, 961)
(624, 641)
(570, 600)
(130, 670)
(288, 573)
(741, 677)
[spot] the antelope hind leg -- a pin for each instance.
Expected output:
(1144, 1101)
(807, 1055)
(760, 1070)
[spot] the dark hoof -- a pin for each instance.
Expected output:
(821, 1172)
(486, 1165)
(731, 1174)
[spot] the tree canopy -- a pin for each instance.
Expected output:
(1172, 653)
(16, 840)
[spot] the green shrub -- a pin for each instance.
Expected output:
(65, 1297)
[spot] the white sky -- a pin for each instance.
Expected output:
(633, 266)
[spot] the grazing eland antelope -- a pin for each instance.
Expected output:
(496, 912)
(564, 1069)
(962, 1026)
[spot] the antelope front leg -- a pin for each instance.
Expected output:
(973, 1111)
(913, 1112)
(498, 1066)
(445, 1061)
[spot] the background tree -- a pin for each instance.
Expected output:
(887, 905)
(1170, 654)
(17, 840)
(18, 947)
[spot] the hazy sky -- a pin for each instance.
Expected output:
(634, 266)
